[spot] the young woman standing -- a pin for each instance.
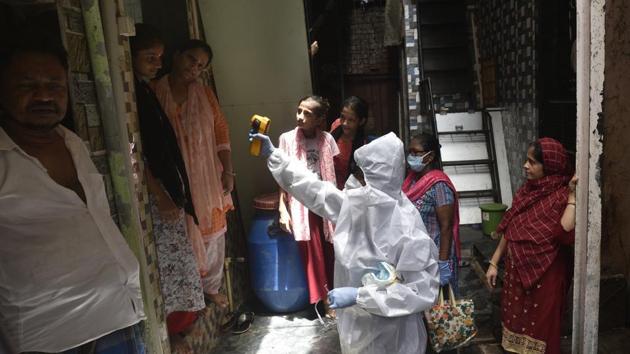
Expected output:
(349, 133)
(315, 150)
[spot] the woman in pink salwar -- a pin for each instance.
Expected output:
(203, 137)
(315, 149)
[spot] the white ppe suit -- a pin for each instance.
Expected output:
(374, 223)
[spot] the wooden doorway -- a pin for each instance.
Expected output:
(353, 61)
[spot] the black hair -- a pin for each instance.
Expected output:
(146, 37)
(321, 111)
(195, 44)
(360, 108)
(538, 153)
(356, 171)
(32, 42)
(357, 105)
(429, 143)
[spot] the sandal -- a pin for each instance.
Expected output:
(230, 320)
(243, 323)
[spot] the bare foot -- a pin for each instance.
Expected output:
(179, 345)
(218, 299)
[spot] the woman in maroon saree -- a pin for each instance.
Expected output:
(536, 232)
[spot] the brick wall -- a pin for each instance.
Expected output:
(507, 33)
(366, 53)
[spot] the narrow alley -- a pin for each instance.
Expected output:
(314, 176)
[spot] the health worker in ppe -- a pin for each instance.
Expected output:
(386, 270)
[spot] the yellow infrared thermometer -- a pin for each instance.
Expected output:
(260, 125)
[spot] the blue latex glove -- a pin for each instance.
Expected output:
(342, 297)
(266, 147)
(445, 272)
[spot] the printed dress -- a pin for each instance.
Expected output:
(179, 278)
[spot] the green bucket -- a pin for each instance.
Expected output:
(491, 215)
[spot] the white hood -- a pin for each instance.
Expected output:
(383, 164)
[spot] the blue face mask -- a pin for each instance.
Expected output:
(415, 162)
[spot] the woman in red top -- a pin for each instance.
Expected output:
(349, 133)
(536, 232)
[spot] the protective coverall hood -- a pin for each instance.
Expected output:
(383, 164)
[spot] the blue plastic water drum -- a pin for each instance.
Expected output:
(277, 273)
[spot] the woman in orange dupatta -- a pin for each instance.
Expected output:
(203, 137)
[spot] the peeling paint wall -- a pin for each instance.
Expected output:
(616, 128)
(590, 64)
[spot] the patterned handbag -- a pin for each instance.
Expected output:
(450, 323)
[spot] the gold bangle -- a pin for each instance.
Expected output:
(494, 265)
(229, 173)
(569, 203)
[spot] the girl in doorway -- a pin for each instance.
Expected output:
(349, 133)
(315, 149)
(202, 133)
(169, 189)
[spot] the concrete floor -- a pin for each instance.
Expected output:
(303, 333)
(299, 333)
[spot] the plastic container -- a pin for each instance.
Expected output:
(277, 273)
(491, 215)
